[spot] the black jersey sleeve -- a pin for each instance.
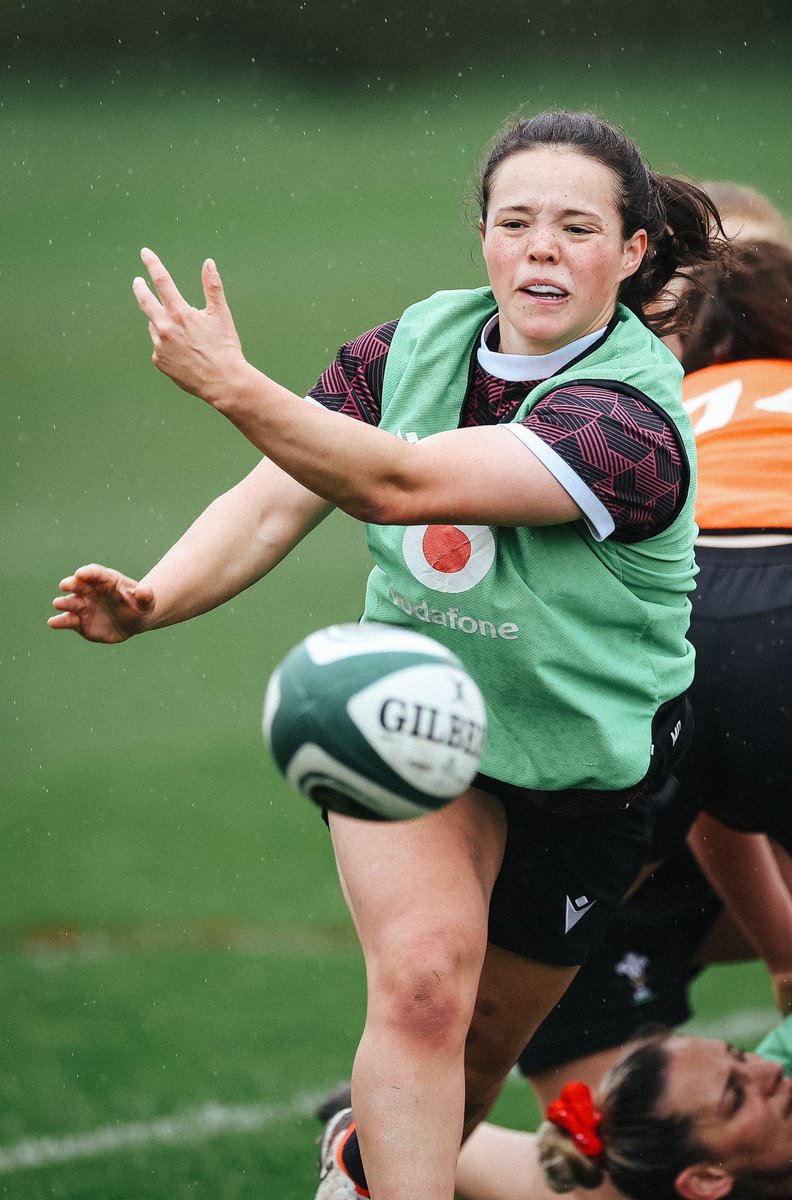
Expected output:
(352, 384)
(627, 451)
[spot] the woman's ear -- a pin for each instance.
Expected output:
(704, 1181)
(634, 251)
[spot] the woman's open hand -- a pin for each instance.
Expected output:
(102, 605)
(199, 349)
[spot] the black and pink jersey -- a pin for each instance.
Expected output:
(620, 457)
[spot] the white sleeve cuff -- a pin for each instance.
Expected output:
(599, 521)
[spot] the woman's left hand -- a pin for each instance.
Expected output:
(199, 349)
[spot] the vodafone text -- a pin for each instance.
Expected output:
(451, 618)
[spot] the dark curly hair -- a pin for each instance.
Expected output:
(743, 311)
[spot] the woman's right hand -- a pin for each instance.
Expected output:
(102, 605)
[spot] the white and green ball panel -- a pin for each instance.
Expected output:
(375, 720)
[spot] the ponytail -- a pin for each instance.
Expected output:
(684, 232)
(642, 1152)
(565, 1166)
(574, 1158)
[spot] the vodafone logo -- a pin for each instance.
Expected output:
(449, 558)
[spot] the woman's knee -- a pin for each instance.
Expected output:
(424, 987)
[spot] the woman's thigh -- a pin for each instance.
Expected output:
(428, 878)
(515, 995)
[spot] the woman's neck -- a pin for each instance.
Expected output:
(529, 366)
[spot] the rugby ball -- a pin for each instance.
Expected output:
(374, 721)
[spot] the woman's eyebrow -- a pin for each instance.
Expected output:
(580, 212)
(564, 213)
(518, 208)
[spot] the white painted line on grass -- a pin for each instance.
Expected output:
(214, 1120)
(193, 1125)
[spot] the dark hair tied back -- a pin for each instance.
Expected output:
(681, 222)
(643, 1151)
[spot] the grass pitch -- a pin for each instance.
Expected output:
(180, 980)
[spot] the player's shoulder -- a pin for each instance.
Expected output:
(373, 344)
(601, 399)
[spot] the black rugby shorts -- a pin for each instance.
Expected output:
(641, 972)
(740, 764)
(571, 856)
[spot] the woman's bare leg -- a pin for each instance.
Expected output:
(500, 1164)
(419, 894)
(515, 995)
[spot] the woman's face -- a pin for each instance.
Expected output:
(741, 1106)
(554, 248)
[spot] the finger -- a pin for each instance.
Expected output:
(96, 580)
(214, 292)
(92, 573)
(64, 621)
(77, 582)
(70, 603)
(148, 303)
(169, 294)
(91, 578)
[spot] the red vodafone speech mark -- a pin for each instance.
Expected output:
(446, 548)
(448, 558)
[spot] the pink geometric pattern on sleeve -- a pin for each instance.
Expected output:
(626, 452)
(352, 384)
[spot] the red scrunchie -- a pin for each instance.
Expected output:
(575, 1112)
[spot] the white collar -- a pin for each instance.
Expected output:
(519, 367)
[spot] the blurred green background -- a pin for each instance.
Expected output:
(180, 979)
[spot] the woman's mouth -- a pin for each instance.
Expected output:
(544, 291)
